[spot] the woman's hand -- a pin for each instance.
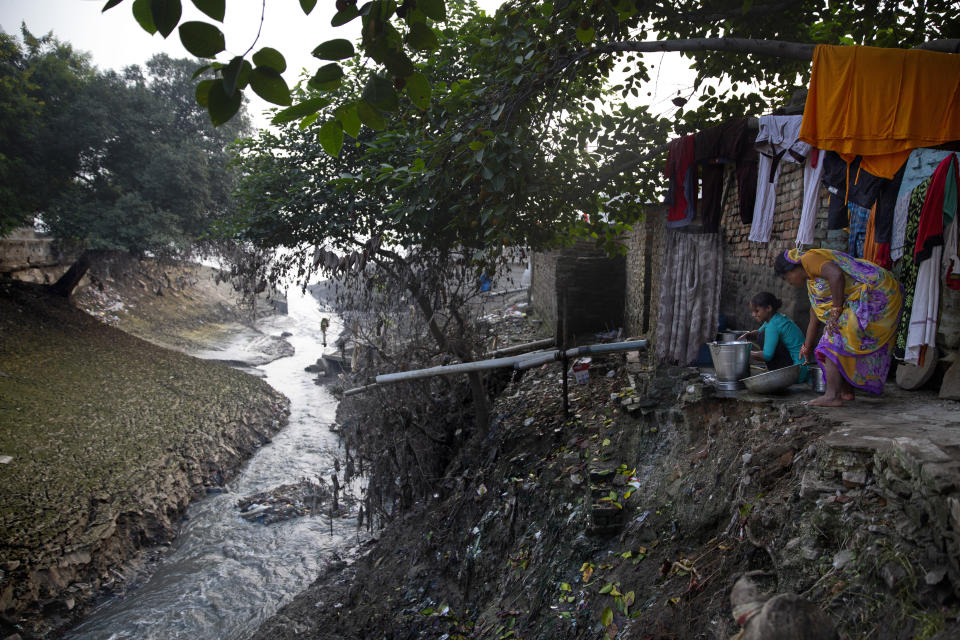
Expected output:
(805, 352)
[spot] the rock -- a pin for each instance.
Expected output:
(856, 478)
(950, 387)
(786, 616)
(912, 377)
(841, 559)
(893, 574)
(935, 576)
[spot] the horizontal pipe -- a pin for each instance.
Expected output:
(503, 292)
(536, 344)
(527, 359)
(356, 390)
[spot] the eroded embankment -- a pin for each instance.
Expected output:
(110, 438)
(632, 520)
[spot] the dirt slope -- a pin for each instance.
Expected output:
(628, 524)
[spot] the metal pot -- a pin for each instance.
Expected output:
(817, 382)
(731, 360)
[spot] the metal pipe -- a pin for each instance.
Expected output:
(536, 344)
(504, 292)
(356, 390)
(527, 359)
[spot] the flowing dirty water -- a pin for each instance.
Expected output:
(223, 576)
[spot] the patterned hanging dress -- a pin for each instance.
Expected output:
(907, 269)
(862, 345)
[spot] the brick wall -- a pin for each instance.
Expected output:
(588, 282)
(748, 266)
(645, 245)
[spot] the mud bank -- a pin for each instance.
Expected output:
(632, 520)
(110, 437)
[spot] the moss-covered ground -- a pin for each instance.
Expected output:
(103, 428)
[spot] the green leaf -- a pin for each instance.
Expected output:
(307, 6)
(418, 90)
(370, 116)
(606, 618)
(202, 92)
(380, 93)
(110, 5)
(142, 14)
(201, 39)
(216, 9)
(546, 9)
(347, 115)
(433, 9)
(607, 588)
(270, 58)
(399, 64)
(299, 110)
(220, 104)
(476, 145)
(269, 85)
(422, 37)
(337, 49)
(345, 16)
(327, 77)
(199, 72)
(236, 74)
(309, 120)
(331, 137)
(166, 14)
(586, 35)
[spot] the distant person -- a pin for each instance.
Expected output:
(780, 337)
(860, 305)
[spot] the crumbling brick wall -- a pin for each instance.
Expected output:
(581, 284)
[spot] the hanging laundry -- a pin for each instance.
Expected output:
(731, 142)
(881, 103)
(919, 166)
(907, 268)
(939, 210)
(850, 182)
(689, 294)
(941, 202)
(812, 171)
(776, 141)
(681, 170)
(859, 220)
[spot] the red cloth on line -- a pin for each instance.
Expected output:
(930, 233)
(680, 158)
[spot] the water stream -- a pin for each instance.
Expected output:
(223, 576)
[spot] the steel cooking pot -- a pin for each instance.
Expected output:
(731, 360)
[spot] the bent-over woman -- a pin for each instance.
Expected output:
(860, 305)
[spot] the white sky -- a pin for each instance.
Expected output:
(115, 40)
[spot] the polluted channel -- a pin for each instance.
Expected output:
(225, 574)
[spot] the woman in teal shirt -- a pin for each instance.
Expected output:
(780, 336)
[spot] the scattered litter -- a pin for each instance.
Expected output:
(6, 459)
(284, 502)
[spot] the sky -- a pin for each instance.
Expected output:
(115, 40)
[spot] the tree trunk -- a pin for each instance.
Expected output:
(479, 394)
(775, 48)
(69, 281)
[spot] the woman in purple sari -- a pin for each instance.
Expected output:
(860, 305)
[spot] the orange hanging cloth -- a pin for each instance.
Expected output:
(881, 103)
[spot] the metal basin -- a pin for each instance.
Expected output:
(772, 381)
(731, 360)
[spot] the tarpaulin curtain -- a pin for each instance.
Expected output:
(689, 295)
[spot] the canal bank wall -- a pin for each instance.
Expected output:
(105, 439)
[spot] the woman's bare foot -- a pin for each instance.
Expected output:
(824, 401)
(847, 396)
